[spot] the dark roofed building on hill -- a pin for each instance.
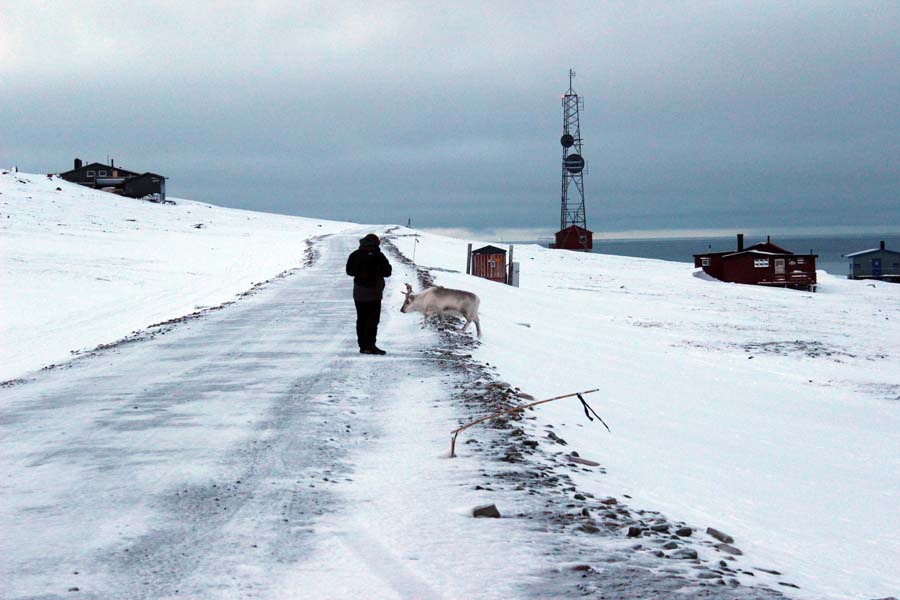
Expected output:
(117, 180)
(764, 263)
(877, 263)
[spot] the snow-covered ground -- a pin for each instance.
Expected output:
(80, 267)
(769, 414)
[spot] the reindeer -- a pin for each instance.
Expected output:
(439, 300)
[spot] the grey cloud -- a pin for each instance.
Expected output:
(696, 113)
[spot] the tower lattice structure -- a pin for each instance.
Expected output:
(572, 198)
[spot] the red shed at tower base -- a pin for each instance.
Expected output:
(574, 238)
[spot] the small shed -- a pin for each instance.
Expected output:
(489, 262)
(877, 263)
(574, 238)
(764, 263)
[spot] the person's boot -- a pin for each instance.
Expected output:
(376, 350)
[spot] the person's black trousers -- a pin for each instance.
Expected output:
(368, 314)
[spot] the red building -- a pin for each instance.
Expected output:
(761, 264)
(490, 263)
(574, 238)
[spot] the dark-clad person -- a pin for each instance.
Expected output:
(368, 267)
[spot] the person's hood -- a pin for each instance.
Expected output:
(370, 241)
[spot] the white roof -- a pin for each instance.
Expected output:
(852, 254)
(755, 252)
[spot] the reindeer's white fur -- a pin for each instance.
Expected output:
(439, 300)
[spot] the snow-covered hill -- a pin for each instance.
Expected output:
(769, 414)
(80, 267)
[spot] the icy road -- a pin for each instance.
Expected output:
(251, 452)
(197, 463)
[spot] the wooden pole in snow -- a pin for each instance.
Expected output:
(458, 430)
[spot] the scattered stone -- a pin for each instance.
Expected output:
(580, 497)
(670, 546)
(74, 589)
(609, 501)
(588, 528)
(661, 528)
(557, 439)
(488, 511)
(771, 572)
(582, 568)
(585, 512)
(790, 585)
(722, 537)
(685, 554)
(684, 531)
(729, 549)
(634, 531)
(582, 461)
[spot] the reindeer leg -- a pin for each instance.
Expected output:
(424, 319)
(466, 324)
(478, 326)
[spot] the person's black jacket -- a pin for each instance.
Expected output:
(368, 267)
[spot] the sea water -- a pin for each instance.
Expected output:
(829, 248)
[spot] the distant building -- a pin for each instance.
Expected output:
(877, 263)
(761, 264)
(117, 180)
(574, 238)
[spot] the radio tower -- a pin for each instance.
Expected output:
(573, 233)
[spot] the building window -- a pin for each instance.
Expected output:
(101, 173)
(760, 262)
(801, 261)
(91, 173)
(704, 262)
(857, 265)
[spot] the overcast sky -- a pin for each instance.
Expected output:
(697, 114)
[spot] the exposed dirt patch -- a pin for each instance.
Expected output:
(811, 349)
